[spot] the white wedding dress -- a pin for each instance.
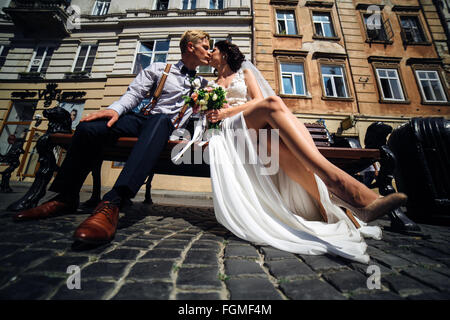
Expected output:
(273, 209)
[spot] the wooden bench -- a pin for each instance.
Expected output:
(349, 159)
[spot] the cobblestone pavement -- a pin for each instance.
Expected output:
(179, 252)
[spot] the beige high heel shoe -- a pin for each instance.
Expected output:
(376, 209)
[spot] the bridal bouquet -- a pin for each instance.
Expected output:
(208, 98)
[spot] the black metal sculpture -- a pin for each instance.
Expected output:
(59, 121)
(376, 138)
(12, 159)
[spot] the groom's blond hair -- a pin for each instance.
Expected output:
(192, 36)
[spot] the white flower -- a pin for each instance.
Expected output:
(204, 108)
(206, 96)
(197, 83)
(202, 102)
(214, 97)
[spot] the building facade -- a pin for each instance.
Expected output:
(350, 63)
(95, 49)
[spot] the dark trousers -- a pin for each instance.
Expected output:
(89, 139)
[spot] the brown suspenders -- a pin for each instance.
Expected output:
(149, 107)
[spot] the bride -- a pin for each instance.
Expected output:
(296, 209)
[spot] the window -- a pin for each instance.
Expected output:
(375, 32)
(292, 78)
(189, 4)
(162, 5)
(17, 123)
(431, 86)
(41, 59)
(85, 58)
(100, 8)
(412, 30)
(334, 81)
(286, 22)
(212, 42)
(323, 26)
(149, 52)
(390, 85)
(216, 4)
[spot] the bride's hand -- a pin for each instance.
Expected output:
(214, 116)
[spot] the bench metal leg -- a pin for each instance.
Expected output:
(399, 221)
(148, 189)
(95, 198)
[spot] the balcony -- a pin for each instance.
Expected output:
(41, 18)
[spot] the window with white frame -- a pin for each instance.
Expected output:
(101, 8)
(431, 86)
(390, 85)
(189, 4)
(286, 24)
(149, 52)
(323, 26)
(40, 60)
(216, 4)
(334, 81)
(293, 78)
(212, 42)
(85, 58)
(3, 54)
(162, 5)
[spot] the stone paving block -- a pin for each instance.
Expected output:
(7, 249)
(376, 295)
(104, 270)
(144, 291)
(27, 258)
(288, 268)
(416, 258)
(157, 269)
(203, 277)
(272, 253)
(90, 290)
(252, 289)
(432, 253)
(362, 268)
(234, 267)
(324, 262)
(347, 280)
(30, 287)
(172, 244)
(162, 254)
(59, 264)
(241, 251)
(429, 277)
(121, 254)
(310, 290)
(405, 286)
(387, 259)
(198, 296)
(138, 243)
(209, 245)
(431, 296)
(201, 257)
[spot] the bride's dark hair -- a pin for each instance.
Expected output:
(233, 55)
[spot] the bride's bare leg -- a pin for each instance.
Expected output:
(300, 174)
(296, 137)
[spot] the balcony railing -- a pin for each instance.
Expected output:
(40, 17)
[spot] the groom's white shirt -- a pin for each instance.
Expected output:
(171, 100)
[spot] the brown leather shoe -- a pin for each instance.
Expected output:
(101, 226)
(45, 210)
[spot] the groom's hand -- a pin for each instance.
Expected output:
(110, 114)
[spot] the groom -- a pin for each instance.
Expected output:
(118, 120)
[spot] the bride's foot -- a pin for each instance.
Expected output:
(376, 209)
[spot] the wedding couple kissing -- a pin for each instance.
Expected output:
(295, 209)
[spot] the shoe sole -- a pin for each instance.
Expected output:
(91, 241)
